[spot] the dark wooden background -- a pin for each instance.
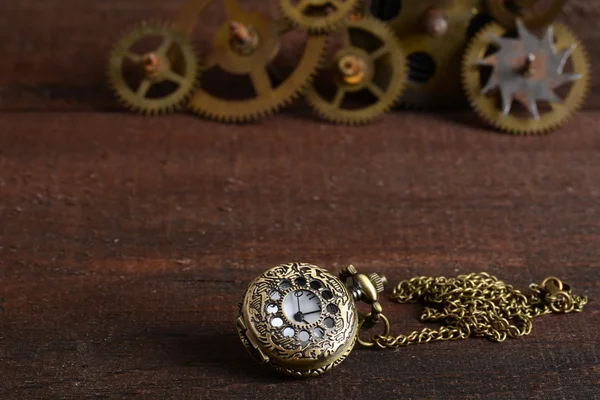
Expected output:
(126, 242)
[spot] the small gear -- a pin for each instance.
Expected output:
(533, 13)
(244, 46)
(433, 35)
(370, 61)
(317, 16)
(529, 70)
(158, 79)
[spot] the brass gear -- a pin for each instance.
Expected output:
(433, 35)
(526, 69)
(245, 45)
(172, 60)
(533, 13)
(371, 60)
(317, 16)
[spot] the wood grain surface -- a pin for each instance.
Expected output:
(54, 52)
(126, 243)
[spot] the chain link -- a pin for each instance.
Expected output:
(476, 305)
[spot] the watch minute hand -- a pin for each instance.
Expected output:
(312, 312)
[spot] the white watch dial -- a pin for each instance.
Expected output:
(302, 307)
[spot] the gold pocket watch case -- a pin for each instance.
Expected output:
(301, 320)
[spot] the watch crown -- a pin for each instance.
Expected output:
(379, 281)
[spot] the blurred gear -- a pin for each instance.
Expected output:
(160, 78)
(533, 13)
(433, 35)
(370, 60)
(317, 15)
(245, 45)
(529, 70)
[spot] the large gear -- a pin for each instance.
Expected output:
(245, 45)
(317, 16)
(433, 34)
(533, 13)
(370, 60)
(158, 79)
(529, 70)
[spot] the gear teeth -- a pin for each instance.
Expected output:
(125, 95)
(469, 78)
(358, 117)
(207, 113)
(328, 24)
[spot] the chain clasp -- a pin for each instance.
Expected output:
(557, 294)
(367, 288)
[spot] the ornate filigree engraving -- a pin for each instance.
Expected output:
(302, 318)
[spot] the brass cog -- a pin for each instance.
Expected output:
(172, 60)
(433, 35)
(245, 45)
(526, 69)
(533, 13)
(370, 60)
(317, 16)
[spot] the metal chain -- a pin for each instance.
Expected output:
(475, 305)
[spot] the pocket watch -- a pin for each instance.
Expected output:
(301, 320)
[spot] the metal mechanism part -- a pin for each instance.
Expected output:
(298, 319)
(172, 61)
(370, 60)
(433, 35)
(317, 16)
(245, 45)
(365, 288)
(527, 70)
(476, 305)
(533, 13)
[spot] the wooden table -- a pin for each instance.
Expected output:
(126, 242)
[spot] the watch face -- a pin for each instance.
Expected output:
(299, 312)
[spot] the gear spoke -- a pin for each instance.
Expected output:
(252, 61)
(357, 73)
(164, 47)
(338, 98)
(142, 90)
(261, 81)
(174, 77)
(380, 52)
(376, 90)
(133, 57)
(346, 39)
(155, 67)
